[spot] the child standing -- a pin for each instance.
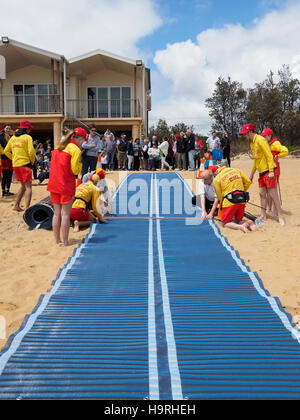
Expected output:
(65, 166)
(104, 160)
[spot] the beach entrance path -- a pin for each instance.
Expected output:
(154, 305)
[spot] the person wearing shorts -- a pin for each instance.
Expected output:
(230, 181)
(22, 153)
(86, 200)
(65, 166)
(265, 165)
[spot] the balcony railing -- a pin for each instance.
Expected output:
(30, 104)
(102, 108)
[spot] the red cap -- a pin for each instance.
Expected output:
(267, 132)
(80, 132)
(247, 128)
(95, 178)
(101, 173)
(177, 136)
(26, 124)
(214, 169)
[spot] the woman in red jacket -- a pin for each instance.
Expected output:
(65, 166)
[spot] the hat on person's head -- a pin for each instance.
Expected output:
(267, 132)
(80, 132)
(215, 168)
(26, 124)
(177, 136)
(95, 178)
(247, 128)
(101, 173)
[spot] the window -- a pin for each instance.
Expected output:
(32, 99)
(109, 102)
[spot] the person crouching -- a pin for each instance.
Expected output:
(231, 186)
(86, 200)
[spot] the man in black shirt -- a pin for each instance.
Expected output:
(225, 144)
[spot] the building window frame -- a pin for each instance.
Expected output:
(106, 108)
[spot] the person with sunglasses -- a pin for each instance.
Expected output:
(90, 151)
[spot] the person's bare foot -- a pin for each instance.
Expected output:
(245, 228)
(252, 227)
(18, 209)
(76, 226)
(282, 221)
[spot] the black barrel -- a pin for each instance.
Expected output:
(40, 215)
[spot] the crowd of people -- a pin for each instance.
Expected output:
(88, 156)
(181, 152)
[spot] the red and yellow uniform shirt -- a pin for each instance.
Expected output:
(229, 180)
(21, 151)
(65, 166)
(278, 151)
(263, 158)
(87, 193)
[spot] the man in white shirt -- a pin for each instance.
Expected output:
(154, 158)
(213, 143)
(207, 198)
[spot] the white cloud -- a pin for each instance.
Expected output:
(245, 54)
(72, 27)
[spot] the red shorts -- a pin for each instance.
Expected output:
(265, 182)
(61, 199)
(0, 170)
(82, 215)
(23, 174)
(236, 211)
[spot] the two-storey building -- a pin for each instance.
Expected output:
(51, 91)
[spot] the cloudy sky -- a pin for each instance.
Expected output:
(187, 44)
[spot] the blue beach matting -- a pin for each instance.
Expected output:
(154, 306)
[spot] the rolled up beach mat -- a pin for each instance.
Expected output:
(40, 215)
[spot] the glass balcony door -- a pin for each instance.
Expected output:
(34, 99)
(109, 102)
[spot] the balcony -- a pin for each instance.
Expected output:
(104, 108)
(31, 104)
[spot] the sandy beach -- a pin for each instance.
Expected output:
(31, 260)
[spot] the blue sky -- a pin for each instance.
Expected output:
(185, 19)
(187, 44)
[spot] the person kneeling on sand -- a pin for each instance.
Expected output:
(86, 201)
(107, 204)
(207, 198)
(231, 186)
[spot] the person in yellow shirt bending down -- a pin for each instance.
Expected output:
(278, 151)
(265, 165)
(231, 187)
(20, 150)
(86, 201)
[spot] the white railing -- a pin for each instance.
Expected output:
(110, 108)
(30, 104)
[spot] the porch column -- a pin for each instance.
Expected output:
(136, 131)
(57, 133)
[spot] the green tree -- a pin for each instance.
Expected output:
(227, 106)
(180, 128)
(161, 130)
